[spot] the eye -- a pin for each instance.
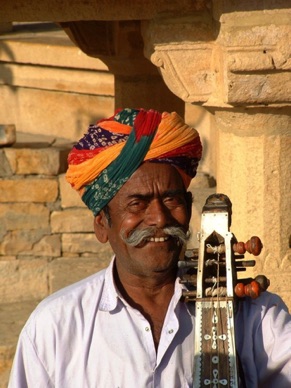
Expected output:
(174, 201)
(137, 205)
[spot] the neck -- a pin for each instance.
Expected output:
(152, 286)
(150, 295)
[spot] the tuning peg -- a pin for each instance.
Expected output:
(251, 289)
(253, 246)
(263, 281)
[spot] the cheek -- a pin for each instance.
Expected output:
(123, 227)
(130, 223)
(182, 216)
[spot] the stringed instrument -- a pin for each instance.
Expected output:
(213, 285)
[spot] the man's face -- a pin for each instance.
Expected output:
(153, 197)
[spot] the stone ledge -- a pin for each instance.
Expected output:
(69, 80)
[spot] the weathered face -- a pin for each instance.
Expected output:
(153, 197)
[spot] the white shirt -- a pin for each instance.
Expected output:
(87, 336)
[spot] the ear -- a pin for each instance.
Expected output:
(101, 227)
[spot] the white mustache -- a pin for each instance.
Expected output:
(139, 235)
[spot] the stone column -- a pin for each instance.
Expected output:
(235, 61)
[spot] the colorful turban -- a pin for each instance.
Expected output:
(113, 149)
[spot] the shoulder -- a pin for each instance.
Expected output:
(266, 306)
(72, 302)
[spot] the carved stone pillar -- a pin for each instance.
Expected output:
(235, 61)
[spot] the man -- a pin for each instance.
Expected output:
(126, 326)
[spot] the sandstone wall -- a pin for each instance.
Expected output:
(47, 238)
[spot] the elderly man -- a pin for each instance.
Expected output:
(126, 326)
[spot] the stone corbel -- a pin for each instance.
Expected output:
(225, 61)
(183, 49)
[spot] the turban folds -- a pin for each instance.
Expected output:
(113, 149)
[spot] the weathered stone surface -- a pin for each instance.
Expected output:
(5, 168)
(77, 111)
(7, 258)
(49, 161)
(104, 10)
(72, 220)
(17, 216)
(23, 280)
(65, 271)
(5, 27)
(246, 61)
(64, 79)
(69, 196)
(21, 242)
(48, 246)
(254, 170)
(7, 135)
(28, 190)
(83, 243)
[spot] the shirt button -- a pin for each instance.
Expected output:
(147, 329)
(171, 331)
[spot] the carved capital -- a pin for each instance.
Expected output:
(232, 60)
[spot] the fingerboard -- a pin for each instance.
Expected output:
(215, 355)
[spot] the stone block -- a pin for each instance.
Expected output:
(280, 284)
(266, 88)
(17, 216)
(82, 243)
(23, 280)
(46, 161)
(69, 196)
(7, 135)
(5, 168)
(72, 220)
(48, 246)
(21, 242)
(29, 190)
(66, 271)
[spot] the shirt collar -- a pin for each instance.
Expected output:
(111, 295)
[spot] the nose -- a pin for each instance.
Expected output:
(157, 214)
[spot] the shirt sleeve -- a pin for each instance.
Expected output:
(28, 370)
(276, 341)
(263, 336)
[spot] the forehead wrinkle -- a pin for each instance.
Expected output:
(166, 193)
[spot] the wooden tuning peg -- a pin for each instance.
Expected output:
(251, 289)
(253, 246)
